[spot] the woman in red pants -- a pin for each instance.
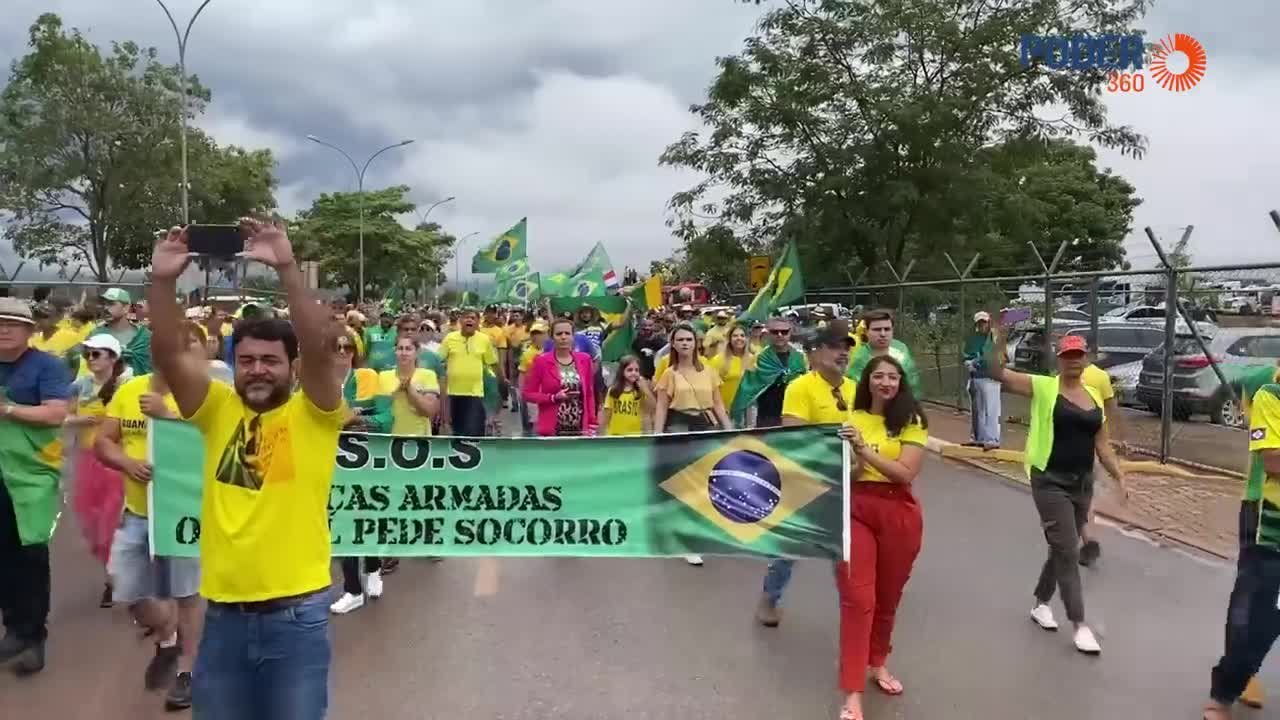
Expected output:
(887, 431)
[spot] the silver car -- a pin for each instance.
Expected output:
(1196, 388)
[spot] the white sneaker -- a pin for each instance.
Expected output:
(1043, 616)
(695, 560)
(1086, 642)
(373, 584)
(347, 603)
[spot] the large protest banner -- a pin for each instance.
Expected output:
(777, 492)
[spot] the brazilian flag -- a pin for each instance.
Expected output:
(514, 269)
(784, 286)
(775, 492)
(588, 284)
(31, 456)
(524, 290)
(507, 247)
(556, 284)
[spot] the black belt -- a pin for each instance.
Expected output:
(262, 607)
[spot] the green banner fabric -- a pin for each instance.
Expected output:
(614, 304)
(767, 493)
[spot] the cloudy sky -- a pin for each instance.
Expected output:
(558, 109)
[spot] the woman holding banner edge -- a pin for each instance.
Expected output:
(887, 432)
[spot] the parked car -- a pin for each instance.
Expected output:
(1196, 388)
(1155, 315)
(1068, 315)
(1117, 343)
(1124, 381)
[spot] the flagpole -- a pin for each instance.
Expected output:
(846, 470)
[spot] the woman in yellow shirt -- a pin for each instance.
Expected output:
(887, 432)
(688, 395)
(628, 403)
(414, 391)
(734, 359)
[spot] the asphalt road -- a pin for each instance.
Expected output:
(589, 639)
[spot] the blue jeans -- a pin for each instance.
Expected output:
(776, 579)
(263, 666)
(984, 396)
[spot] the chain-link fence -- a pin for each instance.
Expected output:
(1172, 405)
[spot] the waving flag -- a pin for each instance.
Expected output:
(784, 286)
(514, 269)
(555, 284)
(596, 261)
(589, 284)
(507, 247)
(525, 289)
(647, 295)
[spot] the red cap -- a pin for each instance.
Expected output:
(1072, 343)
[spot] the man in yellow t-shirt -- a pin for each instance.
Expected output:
(717, 335)
(821, 396)
(269, 457)
(162, 593)
(493, 326)
(466, 354)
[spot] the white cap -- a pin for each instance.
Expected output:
(103, 341)
(982, 315)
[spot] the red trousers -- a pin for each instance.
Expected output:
(886, 534)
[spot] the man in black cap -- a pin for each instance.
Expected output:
(821, 396)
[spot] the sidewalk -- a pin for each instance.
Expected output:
(1199, 512)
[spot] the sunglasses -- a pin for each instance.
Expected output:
(840, 403)
(94, 354)
(780, 332)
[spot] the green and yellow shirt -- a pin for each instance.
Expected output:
(1261, 490)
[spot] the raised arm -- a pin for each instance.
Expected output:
(187, 373)
(1015, 382)
(268, 243)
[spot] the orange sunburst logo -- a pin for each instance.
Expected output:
(1189, 76)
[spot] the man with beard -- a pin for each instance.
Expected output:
(269, 461)
(646, 346)
(134, 338)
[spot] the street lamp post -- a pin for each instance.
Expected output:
(422, 217)
(360, 170)
(182, 83)
(457, 272)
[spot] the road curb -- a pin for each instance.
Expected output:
(938, 447)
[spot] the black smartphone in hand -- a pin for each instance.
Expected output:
(219, 241)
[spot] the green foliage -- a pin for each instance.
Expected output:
(90, 154)
(329, 232)
(896, 130)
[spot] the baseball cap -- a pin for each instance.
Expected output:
(982, 315)
(117, 295)
(834, 334)
(103, 341)
(686, 308)
(1072, 343)
(722, 315)
(491, 308)
(538, 327)
(15, 309)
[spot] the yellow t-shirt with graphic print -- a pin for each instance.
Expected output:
(812, 399)
(625, 416)
(875, 434)
(264, 530)
(126, 407)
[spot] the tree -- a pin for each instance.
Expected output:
(89, 154)
(856, 127)
(329, 232)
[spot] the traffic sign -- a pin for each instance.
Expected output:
(758, 271)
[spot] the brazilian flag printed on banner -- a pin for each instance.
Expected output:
(778, 494)
(31, 456)
(784, 286)
(555, 284)
(505, 248)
